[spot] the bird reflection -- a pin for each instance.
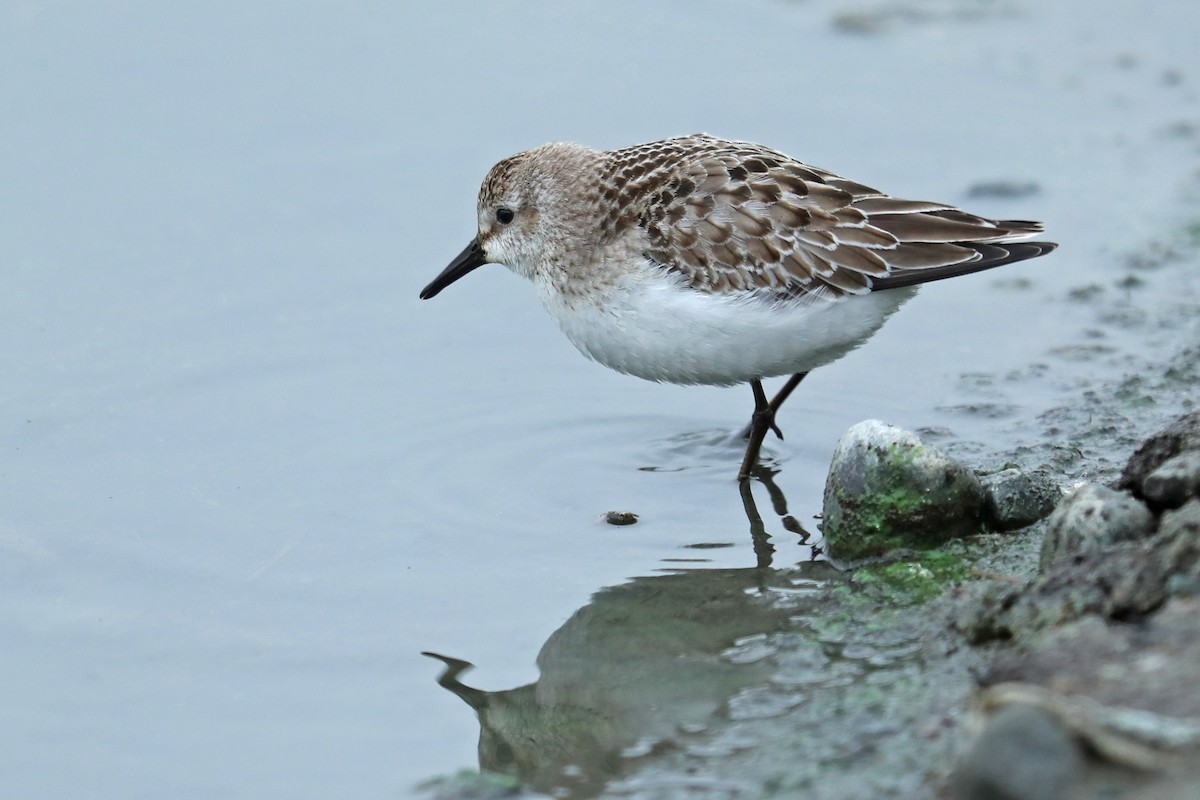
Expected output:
(709, 451)
(639, 669)
(764, 550)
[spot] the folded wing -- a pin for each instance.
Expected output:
(735, 215)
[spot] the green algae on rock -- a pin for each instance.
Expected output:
(886, 490)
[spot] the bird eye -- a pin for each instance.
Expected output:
(504, 215)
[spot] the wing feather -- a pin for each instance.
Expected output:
(731, 216)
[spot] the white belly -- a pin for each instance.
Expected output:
(652, 326)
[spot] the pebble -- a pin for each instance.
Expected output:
(1014, 499)
(1174, 481)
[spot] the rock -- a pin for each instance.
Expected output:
(1014, 498)
(1148, 666)
(887, 490)
(1024, 753)
(1128, 691)
(1179, 556)
(1117, 580)
(984, 610)
(1091, 518)
(1174, 481)
(621, 518)
(1180, 436)
(1124, 692)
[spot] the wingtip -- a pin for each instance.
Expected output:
(991, 254)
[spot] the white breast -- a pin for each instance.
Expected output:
(653, 326)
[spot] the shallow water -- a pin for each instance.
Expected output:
(249, 477)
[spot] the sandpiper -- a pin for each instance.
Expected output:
(700, 260)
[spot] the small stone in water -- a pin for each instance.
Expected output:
(620, 518)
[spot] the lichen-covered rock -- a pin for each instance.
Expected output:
(887, 490)
(1014, 498)
(1091, 518)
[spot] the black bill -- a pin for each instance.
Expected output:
(469, 259)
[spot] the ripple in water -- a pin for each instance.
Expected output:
(711, 449)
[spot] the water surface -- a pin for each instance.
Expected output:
(248, 477)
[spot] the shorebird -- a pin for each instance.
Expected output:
(700, 260)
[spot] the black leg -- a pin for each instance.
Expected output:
(774, 405)
(763, 420)
(786, 392)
